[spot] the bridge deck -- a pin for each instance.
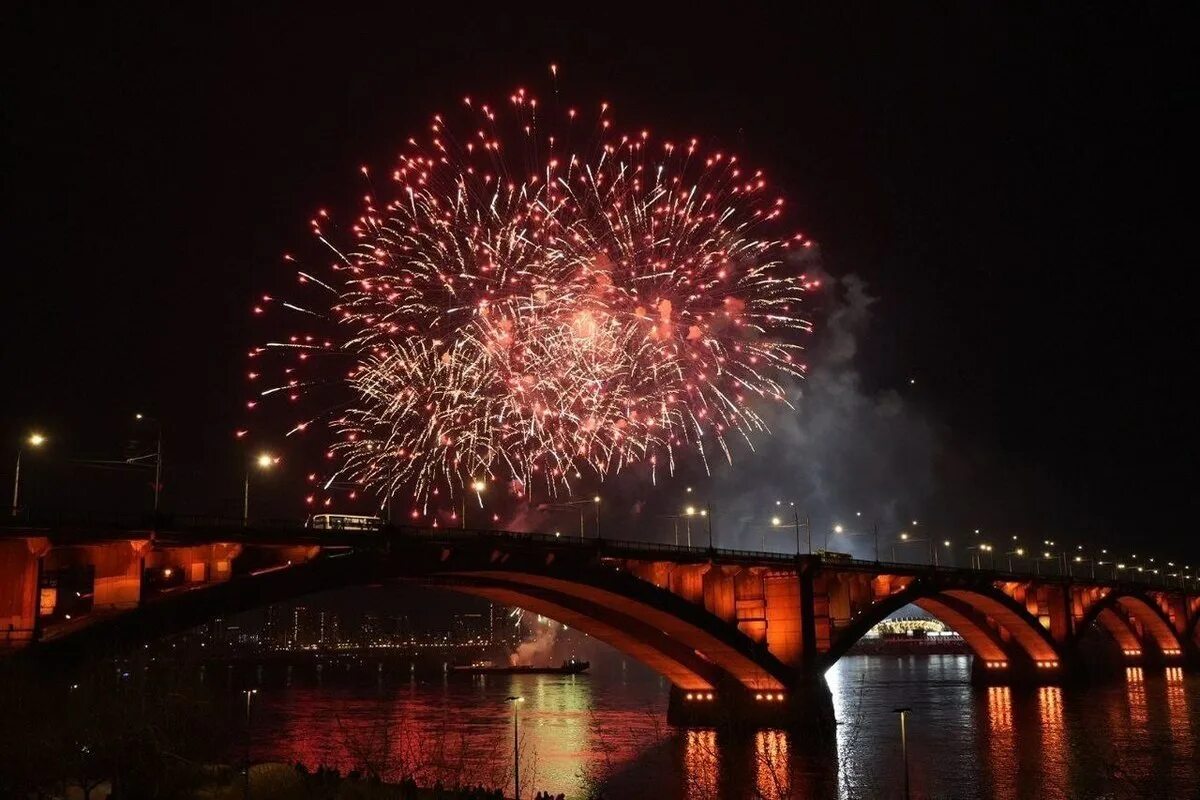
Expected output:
(65, 528)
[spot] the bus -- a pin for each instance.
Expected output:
(343, 522)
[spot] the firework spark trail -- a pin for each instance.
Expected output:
(586, 312)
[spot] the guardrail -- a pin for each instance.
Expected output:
(181, 527)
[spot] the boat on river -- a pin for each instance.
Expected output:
(571, 667)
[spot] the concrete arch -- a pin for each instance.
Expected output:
(655, 612)
(983, 641)
(1128, 608)
(965, 609)
(683, 642)
(1118, 629)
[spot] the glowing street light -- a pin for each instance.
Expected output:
(977, 558)
(156, 455)
(906, 538)
(796, 524)
(1019, 552)
(264, 461)
(840, 529)
(688, 513)
(596, 500)
(34, 440)
(477, 486)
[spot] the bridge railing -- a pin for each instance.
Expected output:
(126, 522)
(93, 525)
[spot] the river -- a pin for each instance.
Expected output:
(605, 734)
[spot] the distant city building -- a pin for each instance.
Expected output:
(303, 631)
(273, 633)
(468, 627)
(327, 629)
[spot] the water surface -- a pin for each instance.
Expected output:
(606, 733)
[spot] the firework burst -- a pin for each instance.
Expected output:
(530, 312)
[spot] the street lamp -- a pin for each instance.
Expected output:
(977, 558)
(839, 529)
(580, 505)
(156, 455)
(1090, 562)
(34, 440)
(264, 461)
(516, 747)
(478, 486)
(596, 500)
(905, 538)
(1019, 552)
(796, 523)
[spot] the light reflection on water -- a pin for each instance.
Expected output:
(1135, 738)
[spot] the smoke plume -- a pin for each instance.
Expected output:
(842, 456)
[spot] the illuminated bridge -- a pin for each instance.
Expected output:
(740, 635)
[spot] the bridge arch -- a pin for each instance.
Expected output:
(994, 626)
(1134, 621)
(691, 647)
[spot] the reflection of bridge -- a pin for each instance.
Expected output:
(736, 632)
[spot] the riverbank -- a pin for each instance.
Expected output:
(275, 781)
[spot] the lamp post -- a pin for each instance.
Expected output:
(596, 500)
(249, 694)
(1019, 552)
(516, 747)
(903, 712)
(264, 461)
(156, 455)
(906, 539)
(34, 440)
(796, 524)
(840, 530)
(674, 524)
(708, 518)
(977, 558)
(478, 486)
(579, 505)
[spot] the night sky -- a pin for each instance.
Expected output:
(1009, 185)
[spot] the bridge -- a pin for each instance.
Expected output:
(740, 635)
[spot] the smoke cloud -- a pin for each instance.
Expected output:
(539, 650)
(843, 455)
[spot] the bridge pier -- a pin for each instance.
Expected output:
(1022, 672)
(20, 577)
(117, 583)
(808, 704)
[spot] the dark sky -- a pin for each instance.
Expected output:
(1009, 183)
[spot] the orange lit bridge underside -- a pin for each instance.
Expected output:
(750, 622)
